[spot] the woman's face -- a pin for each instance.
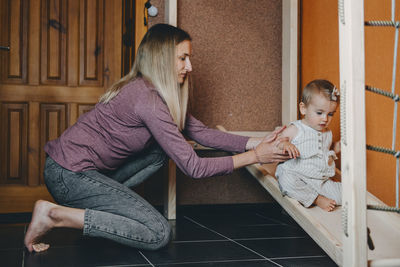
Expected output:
(183, 64)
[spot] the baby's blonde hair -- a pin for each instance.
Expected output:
(324, 87)
(155, 61)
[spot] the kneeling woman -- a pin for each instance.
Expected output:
(139, 121)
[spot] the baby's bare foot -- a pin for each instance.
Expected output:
(325, 203)
(40, 224)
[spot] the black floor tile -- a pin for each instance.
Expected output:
(200, 252)
(307, 262)
(9, 218)
(244, 263)
(243, 219)
(11, 257)
(96, 255)
(258, 231)
(199, 239)
(237, 215)
(229, 209)
(12, 237)
(62, 237)
(185, 230)
(282, 217)
(289, 247)
(68, 247)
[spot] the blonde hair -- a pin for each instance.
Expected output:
(155, 62)
(324, 87)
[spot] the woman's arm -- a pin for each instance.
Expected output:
(154, 114)
(197, 131)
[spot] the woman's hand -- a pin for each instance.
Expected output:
(253, 142)
(267, 151)
(270, 149)
(290, 149)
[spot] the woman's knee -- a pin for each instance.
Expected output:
(163, 236)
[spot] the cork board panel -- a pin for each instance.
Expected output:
(237, 61)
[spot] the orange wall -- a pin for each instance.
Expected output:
(320, 59)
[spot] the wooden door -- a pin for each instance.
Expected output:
(63, 55)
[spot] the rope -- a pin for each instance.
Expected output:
(344, 219)
(384, 150)
(343, 133)
(396, 41)
(382, 92)
(382, 23)
(341, 11)
(383, 208)
(397, 181)
(394, 125)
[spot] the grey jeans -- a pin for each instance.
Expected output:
(112, 209)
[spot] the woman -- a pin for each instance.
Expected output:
(125, 139)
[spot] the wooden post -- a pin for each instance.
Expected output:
(289, 60)
(170, 191)
(171, 12)
(352, 83)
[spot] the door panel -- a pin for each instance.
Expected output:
(14, 118)
(53, 118)
(53, 41)
(15, 35)
(91, 45)
(63, 55)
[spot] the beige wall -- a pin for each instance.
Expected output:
(320, 59)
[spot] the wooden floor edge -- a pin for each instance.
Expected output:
(17, 199)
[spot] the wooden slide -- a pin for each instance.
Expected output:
(326, 227)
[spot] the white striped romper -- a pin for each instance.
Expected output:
(308, 176)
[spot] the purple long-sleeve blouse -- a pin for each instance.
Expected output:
(104, 137)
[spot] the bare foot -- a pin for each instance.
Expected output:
(325, 203)
(40, 224)
(40, 247)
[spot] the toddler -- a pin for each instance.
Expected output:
(307, 176)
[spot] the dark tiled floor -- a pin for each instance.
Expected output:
(220, 235)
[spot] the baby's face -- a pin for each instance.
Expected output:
(319, 112)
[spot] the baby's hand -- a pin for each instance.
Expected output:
(331, 160)
(336, 147)
(290, 149)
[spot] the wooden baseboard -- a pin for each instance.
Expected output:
(16, 198)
